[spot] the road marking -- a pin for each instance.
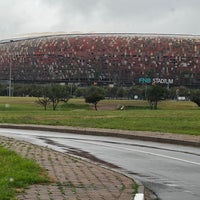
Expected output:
(139, 196)
(124, 148)
(141, 151)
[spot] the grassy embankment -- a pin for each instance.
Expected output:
(171, 116)
(17, 173)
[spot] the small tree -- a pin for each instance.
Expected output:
(57, 93)
(44, 102)
(54, 94)
(155, 94)
(94, 95)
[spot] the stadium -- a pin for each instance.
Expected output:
(103, 59)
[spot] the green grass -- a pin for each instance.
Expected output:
(17, 173)
(171, 116)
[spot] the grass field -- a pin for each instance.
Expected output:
(17, 173)
(181, 117)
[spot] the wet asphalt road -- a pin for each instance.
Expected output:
(172, 172)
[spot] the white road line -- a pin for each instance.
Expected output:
(124, 148)
(139, 196)
(141, 151)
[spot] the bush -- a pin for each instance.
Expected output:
(195, 97)
(94, 95)
(155, 94)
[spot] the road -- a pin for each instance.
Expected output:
(171, 171)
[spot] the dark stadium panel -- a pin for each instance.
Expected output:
(121, 59)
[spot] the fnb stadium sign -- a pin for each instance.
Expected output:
(156, 81)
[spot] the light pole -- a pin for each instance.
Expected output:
(10, 73)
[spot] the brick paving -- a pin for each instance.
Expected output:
(74, 179)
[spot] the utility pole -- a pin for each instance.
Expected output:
(10, 73)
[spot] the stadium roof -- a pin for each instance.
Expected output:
(73, 34)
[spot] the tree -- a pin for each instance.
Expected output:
(111, 92)
(35, 90)
(135, 91)
(121, 92)
(195, 97)
(79, 92)
(94, 95)
(3, 91)
(57, 93)
(155, 94)
(44, 102)
(54, 94)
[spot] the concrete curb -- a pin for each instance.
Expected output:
(140, 187)
(140, 194)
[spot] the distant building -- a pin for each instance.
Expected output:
(120, 59)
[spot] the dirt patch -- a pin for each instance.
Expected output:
(105, 107)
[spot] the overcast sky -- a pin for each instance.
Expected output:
(133, 16)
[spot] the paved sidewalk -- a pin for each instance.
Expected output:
(74, 179)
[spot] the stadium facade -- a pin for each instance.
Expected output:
(121, 59)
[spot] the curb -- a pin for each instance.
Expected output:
(140, 187)
(138, 135)
(140, 194)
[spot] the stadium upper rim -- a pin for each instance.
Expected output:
(49, 35)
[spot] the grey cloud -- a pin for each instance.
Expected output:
(151, 16)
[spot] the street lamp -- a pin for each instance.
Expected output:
(10, 73)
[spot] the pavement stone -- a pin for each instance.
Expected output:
(73, 178)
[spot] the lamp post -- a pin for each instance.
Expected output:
(10, 72)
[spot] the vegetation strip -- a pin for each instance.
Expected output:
(17, 173)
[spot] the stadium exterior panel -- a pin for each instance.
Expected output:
(121, 59)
